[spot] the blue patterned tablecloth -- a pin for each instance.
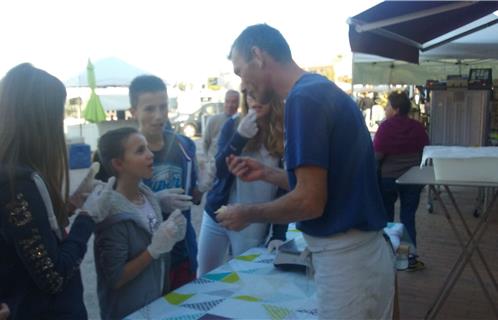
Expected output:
(247, 287)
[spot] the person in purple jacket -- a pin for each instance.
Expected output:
(398, 144)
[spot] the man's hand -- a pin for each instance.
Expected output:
(246, 168)
(232, 217)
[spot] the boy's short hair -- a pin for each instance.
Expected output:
(143, 84)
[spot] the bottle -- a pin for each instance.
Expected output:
(402, 257)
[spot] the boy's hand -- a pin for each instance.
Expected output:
(206, 180)
(171, 199)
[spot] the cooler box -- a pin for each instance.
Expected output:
(79, 156)
(469, 164)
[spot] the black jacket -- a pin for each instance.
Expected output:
(39, 268)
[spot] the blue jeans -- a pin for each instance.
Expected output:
(409, 197)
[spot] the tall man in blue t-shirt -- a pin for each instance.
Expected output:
(331, 174)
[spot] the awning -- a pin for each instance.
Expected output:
(401, 29)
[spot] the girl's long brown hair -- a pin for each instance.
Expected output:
(32, 131)
(271, 128)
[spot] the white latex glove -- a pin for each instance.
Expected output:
(181, 224)
(167, 234)
(248, 127)
(171, 199)
(86, 186)
(98, 200)
(206, 180)
(274, 245)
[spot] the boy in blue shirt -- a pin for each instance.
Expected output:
(331, 175)
(174, 177)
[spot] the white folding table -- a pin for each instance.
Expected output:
(425, 176)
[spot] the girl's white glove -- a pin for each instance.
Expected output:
(86, 186)
(97, 203)
(167, 234)
(248, 127)
(171, 199)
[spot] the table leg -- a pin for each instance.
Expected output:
(462, 260)
(469, 233)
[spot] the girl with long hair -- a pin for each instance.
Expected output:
(39, 269)
(259, 135)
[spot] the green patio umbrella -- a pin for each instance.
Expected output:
(94, 111)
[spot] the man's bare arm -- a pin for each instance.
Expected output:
(306, 201)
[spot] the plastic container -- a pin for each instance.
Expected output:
(479, 169)
(79, 156)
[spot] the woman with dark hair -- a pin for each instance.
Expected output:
(257, 134)
(398, 144)
(39, 269)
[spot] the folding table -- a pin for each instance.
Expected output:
(245, 287)
(425, 176)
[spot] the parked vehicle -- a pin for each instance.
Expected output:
(192, 124)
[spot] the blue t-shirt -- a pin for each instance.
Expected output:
(325, 128)
(174, 167)
(168, 168)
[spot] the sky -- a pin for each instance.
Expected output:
(176, 40)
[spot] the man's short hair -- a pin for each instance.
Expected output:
(143, 84)
(264, 37)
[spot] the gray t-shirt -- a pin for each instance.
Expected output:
(147, 215)
(256, 191)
